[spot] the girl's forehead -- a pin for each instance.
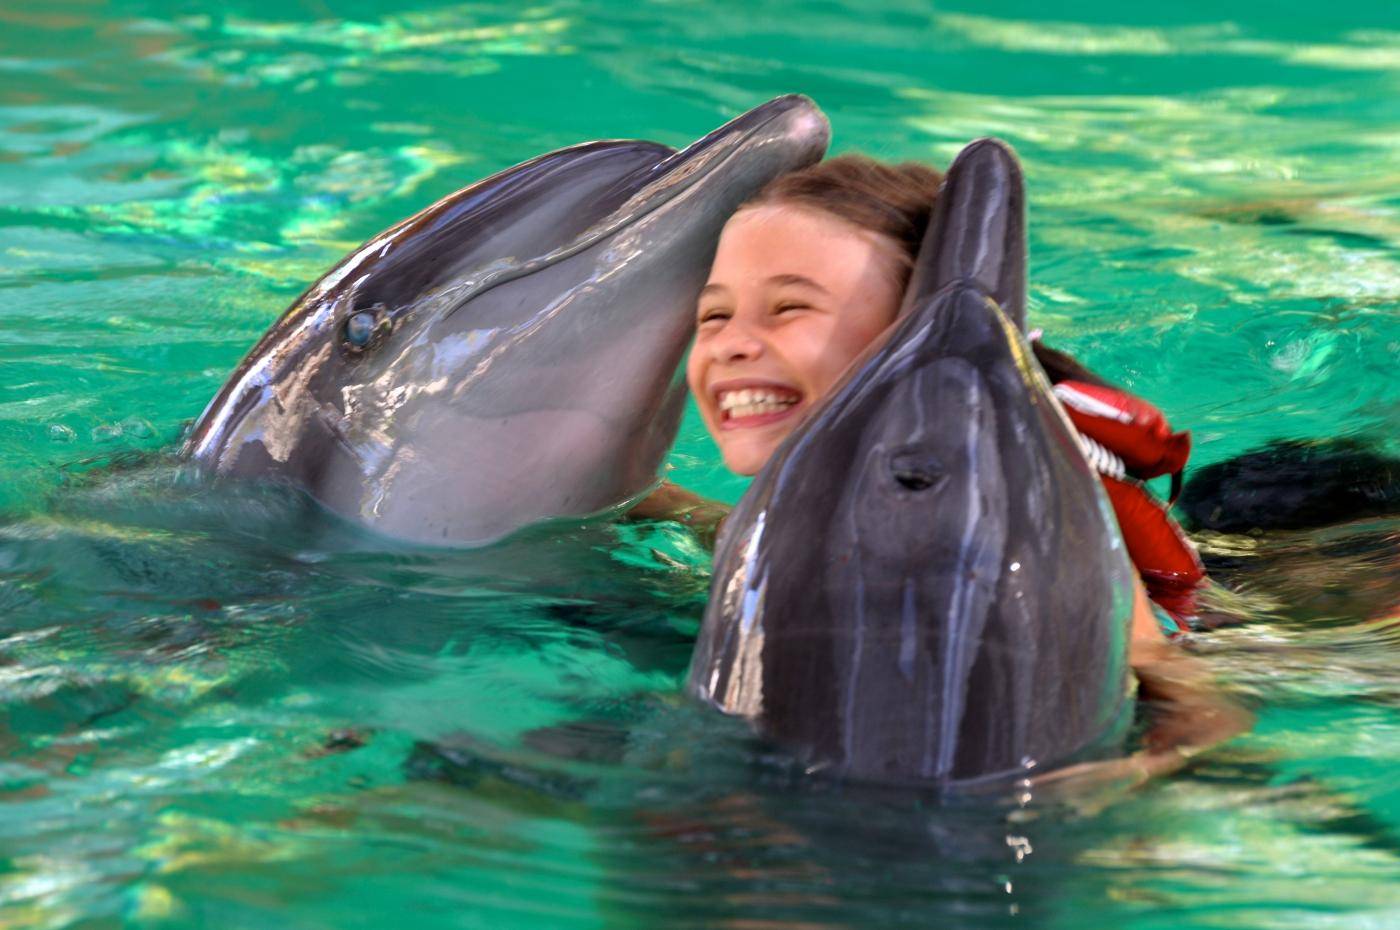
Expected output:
(773, 240)
(779, 219)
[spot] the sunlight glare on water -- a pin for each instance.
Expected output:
(223, 709)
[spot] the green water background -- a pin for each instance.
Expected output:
(1215, 217)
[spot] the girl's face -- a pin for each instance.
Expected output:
(794, 296)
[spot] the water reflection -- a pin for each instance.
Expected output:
(1214, 225)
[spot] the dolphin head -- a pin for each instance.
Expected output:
(925, 581)
(510, 353)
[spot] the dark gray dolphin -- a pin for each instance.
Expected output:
(925, 582)
(509, 354)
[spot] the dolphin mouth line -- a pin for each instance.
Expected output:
(461, 293)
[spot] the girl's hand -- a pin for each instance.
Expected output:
(673, 502)
(1190, 715)
(1089, 787)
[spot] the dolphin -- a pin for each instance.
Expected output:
(925, 584)
(510, 354)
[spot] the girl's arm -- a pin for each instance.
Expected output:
(673, 502)
(1190, 714)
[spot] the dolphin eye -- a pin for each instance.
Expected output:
(359, 329)
(915, 471)
(913, 479)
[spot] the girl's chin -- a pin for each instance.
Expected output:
(744, 469)
(748, 444)
(747, 455)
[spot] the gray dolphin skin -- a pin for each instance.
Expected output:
(925, 584)
(511, 353)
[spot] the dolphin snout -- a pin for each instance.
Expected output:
(792, 123)
(803, 122)
(798, 124)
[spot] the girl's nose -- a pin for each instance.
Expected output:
(736, 342)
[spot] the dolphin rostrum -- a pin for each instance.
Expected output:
(925, 582)
(509, 354)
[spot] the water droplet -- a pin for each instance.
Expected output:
(1021, 846)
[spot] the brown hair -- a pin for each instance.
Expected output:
(895, 201)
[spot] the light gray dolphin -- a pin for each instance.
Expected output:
(925, 583)
(511, 353)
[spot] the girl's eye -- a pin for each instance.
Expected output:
(708, 316)
(784, 308)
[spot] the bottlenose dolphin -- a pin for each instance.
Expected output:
(511, 353)
(925, 583)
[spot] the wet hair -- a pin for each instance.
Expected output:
(895, 201)
(1292, 485)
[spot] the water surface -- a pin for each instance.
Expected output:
(218, 708)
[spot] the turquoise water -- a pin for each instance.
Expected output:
(215, 712)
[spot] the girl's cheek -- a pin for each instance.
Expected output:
(695, 380)
(694, 368)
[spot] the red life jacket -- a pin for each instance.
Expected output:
(1128, 441)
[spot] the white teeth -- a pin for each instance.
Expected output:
(753, 402)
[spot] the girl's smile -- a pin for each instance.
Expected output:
(745, 403)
